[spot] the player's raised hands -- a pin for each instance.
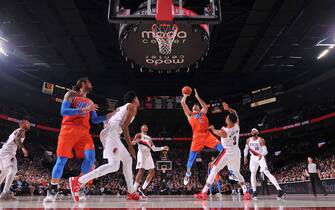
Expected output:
(196, 93)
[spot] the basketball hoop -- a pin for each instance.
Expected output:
(165, 35)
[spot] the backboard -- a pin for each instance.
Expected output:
(164, 35)
(126, 11)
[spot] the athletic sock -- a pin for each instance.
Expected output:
(136, 185)
(244, 188)
(205, 190)
(145, 185)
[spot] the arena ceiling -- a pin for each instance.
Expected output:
(258, 43)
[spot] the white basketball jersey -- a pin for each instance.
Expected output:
(119, 116)
(255, 145)
(145, 144)
(230, 143)
(10, 145)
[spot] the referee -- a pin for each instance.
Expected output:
(313, 173)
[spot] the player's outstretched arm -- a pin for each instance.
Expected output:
(246, 152)
(186, 110)
(220, 132)
(203, 105)
(97, 119)
(131, 112)
(18, 141)
(230, 110)
(157, 149)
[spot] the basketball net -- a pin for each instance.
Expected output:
(165, 35)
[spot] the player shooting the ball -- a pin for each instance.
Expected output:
(200, 127)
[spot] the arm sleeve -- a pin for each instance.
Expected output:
(264, 151)
(246, 150)
(97, 119)
(66, 109)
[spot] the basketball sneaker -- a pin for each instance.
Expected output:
(201, 195)
(254, 195)
(7, 196)
(281, 194)
(187, 178)
(141, 191)
(218, 195)
(75, 188)
(133, 196)
(246, 196)
(52, 193)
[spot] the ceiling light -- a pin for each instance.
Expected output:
(325, 52)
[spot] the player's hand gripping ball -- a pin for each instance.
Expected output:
(187, 90)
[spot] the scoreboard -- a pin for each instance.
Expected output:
(263, 96)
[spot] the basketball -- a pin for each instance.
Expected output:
(187, 90)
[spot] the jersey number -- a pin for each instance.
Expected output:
(234, 140)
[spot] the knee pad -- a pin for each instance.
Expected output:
(57, 171)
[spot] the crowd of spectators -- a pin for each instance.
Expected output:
(296, 171)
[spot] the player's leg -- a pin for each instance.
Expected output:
(141, 170)
(234, 165)
(253, 166)
(10, 175)
(273, 180)
(212, 142)
(3, 175)
(148, 164)
(219, 163)
(139, 177)
(196, 147)
(64, 152)
(110, 167)
(127, 163)
(86, 150)
(149, 178)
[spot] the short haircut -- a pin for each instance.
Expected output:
(79, 82)
(232, 117)
(129, 96)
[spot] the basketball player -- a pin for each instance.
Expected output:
(114, 151)
(255, 145)
(77, 110)
(8, 162)
(217, 180)
(144, 158)
(230, 156)
(201, 136)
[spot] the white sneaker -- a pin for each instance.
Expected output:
(7, 196)
(218, 195)
(51, 197)
(187, 179)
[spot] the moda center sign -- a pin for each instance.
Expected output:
(138, 45)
